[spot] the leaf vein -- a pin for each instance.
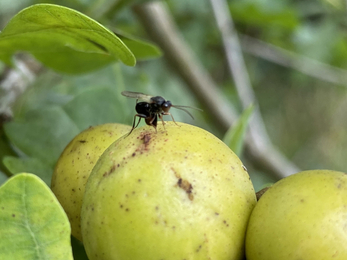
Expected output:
(27, 224)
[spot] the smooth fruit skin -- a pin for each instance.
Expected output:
(75, 165)
(303, 216)
(177, 194)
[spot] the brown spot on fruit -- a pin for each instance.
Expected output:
(113, 168)
(146, 139)
(186, 186)
(199, 248)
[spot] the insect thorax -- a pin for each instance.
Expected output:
(158, 100)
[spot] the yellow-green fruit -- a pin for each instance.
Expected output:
(75, 165)
(303, 216)
(177, 194)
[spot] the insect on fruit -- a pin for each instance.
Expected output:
(150, 107)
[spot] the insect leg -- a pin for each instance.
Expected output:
(138, 122)
(161, 118)
(167, 113)
(153, 122)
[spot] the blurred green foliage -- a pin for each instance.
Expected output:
(235, 135)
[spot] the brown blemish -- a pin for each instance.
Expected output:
(13, 215)
(113, 168)
(199, 248)
(146, 138)
(184, 184)
(225, 223)
(176, 174)
(82, 141)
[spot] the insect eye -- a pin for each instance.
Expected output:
(166, 104)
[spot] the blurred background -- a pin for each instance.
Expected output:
(287, 57)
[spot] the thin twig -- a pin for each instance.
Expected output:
(233, 52)
(238, 70)
(162, 29)
(15, 81)
(290, 59)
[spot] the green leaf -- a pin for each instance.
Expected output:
(33, 225)
(94, 106)
(78, 250)
(256, 14)
(63, 39)
(142, 50)
(17, 165)
(234, 137)
(43, 133)
(3, 177)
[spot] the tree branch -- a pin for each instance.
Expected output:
(290, 59)
(161, 27)
(15, 81)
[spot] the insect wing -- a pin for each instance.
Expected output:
(137, 95)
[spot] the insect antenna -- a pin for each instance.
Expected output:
(185, 110)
